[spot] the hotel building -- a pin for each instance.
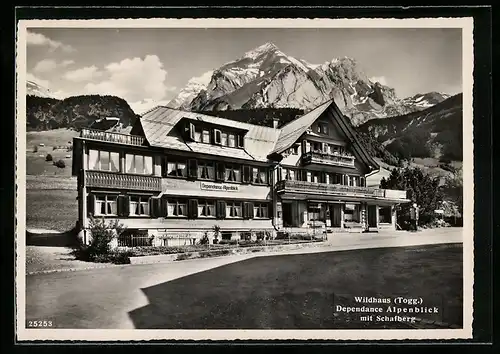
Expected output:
(180, 173)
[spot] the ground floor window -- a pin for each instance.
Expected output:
(233, 210)
(352, 213)
(106, 205)
(384, 215)
(206, 208)
(176, 207)
(139, 205)
(261, 210)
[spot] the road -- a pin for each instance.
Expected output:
(103, 298)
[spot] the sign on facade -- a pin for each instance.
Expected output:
(218, 187)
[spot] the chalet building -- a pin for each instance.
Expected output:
(180, 173)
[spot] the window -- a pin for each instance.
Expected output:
(233, 173)
(104, 160)
(261, 210)
(176, 207)
(355, 181)
(231, 140)
(206, 170)
(139, 205)
(295, 150)
(223, 139)
(316, 177)
(206, 208)
(351, 212)
(106, 205)
(176, 168)
(206, 136)
(324, 128)
(139, 164)
(233, 210)
(289, 174)
(217, 136)
(197, 135)
(259, 175)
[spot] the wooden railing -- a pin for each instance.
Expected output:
(95, 134)
(336, 189)
(122, 181)
(328, 159)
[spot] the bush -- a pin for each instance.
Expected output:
(204, 240)
(35, 148)
(54, 148)
(60, 164)
(48, 157)
(99, 249)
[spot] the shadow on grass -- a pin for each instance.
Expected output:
(56, 239)
(298, 291)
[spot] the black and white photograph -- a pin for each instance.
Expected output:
(244, 179)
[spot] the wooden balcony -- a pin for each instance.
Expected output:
(122, 181)
(303, 187)
(111, 137)
(322, 158)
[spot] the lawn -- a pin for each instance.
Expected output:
(52, 209)
(301, 291)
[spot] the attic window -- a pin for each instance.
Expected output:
(217, 137)
(241, 141)
(322, 128)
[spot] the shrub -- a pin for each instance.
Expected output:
(48, 157)
(204, 240)
(183, 256)
(60, 164)
(99, 249)
(35, 149)
(54, 148)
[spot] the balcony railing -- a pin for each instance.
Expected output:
(290, 186)
(112, 137)
(122, 181)
(335, 159)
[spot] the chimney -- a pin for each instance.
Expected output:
(276, 122)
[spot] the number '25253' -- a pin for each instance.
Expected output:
(39, 324)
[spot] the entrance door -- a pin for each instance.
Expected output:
(372, 216)
(335, 215)
(287, 215)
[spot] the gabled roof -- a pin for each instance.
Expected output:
(159, 122)
(260, 141)
(292, 131)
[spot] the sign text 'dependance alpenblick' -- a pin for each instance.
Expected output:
(219, 187)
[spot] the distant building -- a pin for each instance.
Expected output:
(180, 173)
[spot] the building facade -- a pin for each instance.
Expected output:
(178, 174)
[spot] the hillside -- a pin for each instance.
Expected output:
(435, 132)
(75, 112)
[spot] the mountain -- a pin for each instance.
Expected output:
(34, 89)
(265, 77)
(434, 132)
(194, 86)
(77, 112)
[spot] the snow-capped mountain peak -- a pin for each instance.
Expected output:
(256, 52)
(35, 89)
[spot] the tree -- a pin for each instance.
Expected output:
(421, 188)
(60, 164)
(453, 188)
(48, 157)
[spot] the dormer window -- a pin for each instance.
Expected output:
(241, 141)
(197, 135)
(231, 141)
(223, 141)
(217, 137)
(322, 128)
(206, 136)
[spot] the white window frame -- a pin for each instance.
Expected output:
(229, 171)
(205, 165)
(141, 200)
(259, 208)
(177, 162)
(205, 138)
(176, 203)
(231, 207)
(99, 200)
(204, 205)
(98, 163)
(134, 164)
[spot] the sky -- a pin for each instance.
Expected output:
(150, 66)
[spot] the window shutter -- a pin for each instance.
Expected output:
(193, 168)
(362, 182)
(91, 204)
(304, 146)
(123, 205)
(279, 173)
(193, 208)
(270, 210)
(220, 171)
(247, 172)
(164, 166)
(164, 206)
(221, 209)
(248, 210)
(152, 207)
(217, 136)
(241, 140)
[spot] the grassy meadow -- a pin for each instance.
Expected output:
(50, 191)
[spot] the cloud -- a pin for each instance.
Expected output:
(135, 80)
(37, 80)
(380, 79)
(38, 39)
(67, 62)
(83, 74)
(45, 65)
